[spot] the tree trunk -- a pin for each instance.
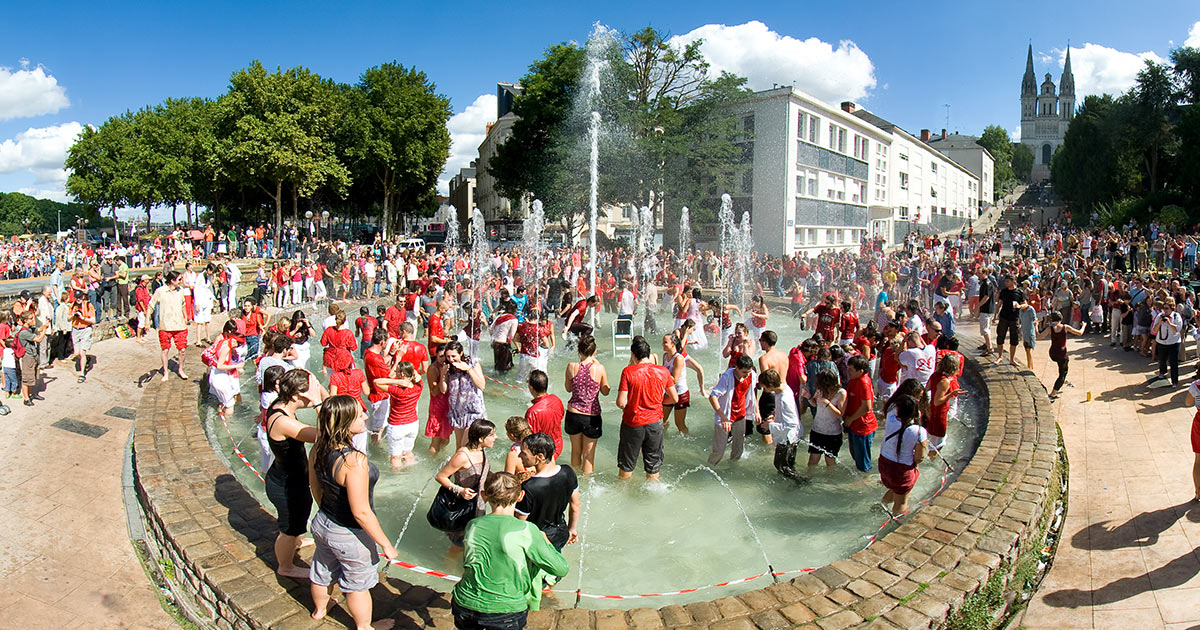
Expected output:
(295, 205)
(278, 212)
(174, 220)
(189, 212)
(385, 221)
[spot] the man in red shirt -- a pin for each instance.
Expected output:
(253, 321)
(408, 349)
(546, 411)
(732, 400)
(645, 388)
(859, 417)
(848, 326)
(377, 367)
(577, 316)
(828, 317)
(437, 327)
(394, 316)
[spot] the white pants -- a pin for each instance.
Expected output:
(401, 438)
(297, 291)
(319, 290)
(379, 414)
(266, 457)
(720, 439)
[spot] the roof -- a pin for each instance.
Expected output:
(874, 120)
(955, 141)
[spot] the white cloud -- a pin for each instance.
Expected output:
(1193, 38)
(1015, 133)
(29, 92)
(764, 57)
(57, 194)
(1103, 70)
(467, 131)
(42, 152)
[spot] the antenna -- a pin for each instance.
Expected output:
(947, 106)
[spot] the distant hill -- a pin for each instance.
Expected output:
(43, 215)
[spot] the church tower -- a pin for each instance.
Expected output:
(1028, 97)
(1045, 114)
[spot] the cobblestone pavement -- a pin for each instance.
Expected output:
(65, 556)
(1129, 554)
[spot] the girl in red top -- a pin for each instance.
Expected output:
(141, 299)
(943, 388)
(337, 336)
(437, 426)
(347, 380)
(848, 324)
(405, 391)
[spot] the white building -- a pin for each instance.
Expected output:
(823, 177)
(967, 151)
(462, 196)
(1045, 115)
(502, 215)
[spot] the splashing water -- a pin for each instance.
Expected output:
(597, 62)
(685, 232)
(452, 229)
(532, 243)
(728, 240)
(481, 258)
(738, 503)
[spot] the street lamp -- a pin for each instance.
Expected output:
(328, 227)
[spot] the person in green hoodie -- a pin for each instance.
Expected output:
(504, 563)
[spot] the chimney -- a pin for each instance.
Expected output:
(924, 135)
(848, 107)
(943, 134)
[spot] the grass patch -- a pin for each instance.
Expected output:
(168, 606)
(978, 611)
(921, 586)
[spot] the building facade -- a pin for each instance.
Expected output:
(966, 151)
(823, 177)
(462, 197)
(1045, 115)
(501, 214)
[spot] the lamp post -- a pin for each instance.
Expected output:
(328, 227)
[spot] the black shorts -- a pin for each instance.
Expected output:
(766, 408)
(292, 505)
(647, 440)
(576, 423)
(467, 619)
(1014, 332)
(827, 445)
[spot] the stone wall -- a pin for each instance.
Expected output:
(213, 539)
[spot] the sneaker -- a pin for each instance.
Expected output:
(1155, 377)
(28, 403)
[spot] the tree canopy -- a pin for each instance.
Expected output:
(373, 150)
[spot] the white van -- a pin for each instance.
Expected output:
(412, 243)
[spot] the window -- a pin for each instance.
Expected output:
(748, 182)
(933, 167)
(904, 157)
(903, 212)
(802, 125)
(841, 145)
(903, 181)
(829, 193)
(748, 125)
(814, 129)
(933, 192)
(810, 236)
(800, 184)
(812, 185)
(625, 212)
(832, 136)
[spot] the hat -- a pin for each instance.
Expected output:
(25, 294)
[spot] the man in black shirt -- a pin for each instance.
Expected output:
(554, 290)
(549, 492)
(987, 307)
(1010, 299)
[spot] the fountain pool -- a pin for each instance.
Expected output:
(692, 529)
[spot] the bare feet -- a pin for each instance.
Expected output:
(320, 614)
(181, 375)
(164, 376)
(293, 572)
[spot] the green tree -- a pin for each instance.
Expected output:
(1152, 100)
(102, 165)
(1095, 163)
(278, 129)
(995, 139)
(402, 139)
(1022, 161)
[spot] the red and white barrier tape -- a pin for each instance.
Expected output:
(237, 451)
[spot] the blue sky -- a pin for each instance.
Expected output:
(73, 63)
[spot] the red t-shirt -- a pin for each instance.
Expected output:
(366, 328)
(404, 403)
(827, 321)
(645, 383)
(737, 406)
(437, 329)
(415, 353)
(545, 415)
(349, 383)
(377, 367)
(394, 317)
(849, 325)
(859, 390)
(340, 338)
(528, 336)
(889, 365)
(939, 414)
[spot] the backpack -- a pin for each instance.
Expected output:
(209, 356)
(18, 347)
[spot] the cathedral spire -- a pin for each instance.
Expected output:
(1067, 81)
(1029, 82)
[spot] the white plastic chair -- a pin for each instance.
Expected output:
(628, 334)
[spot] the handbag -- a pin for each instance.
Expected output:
(450, 512)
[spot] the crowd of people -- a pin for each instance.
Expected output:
(880, 346)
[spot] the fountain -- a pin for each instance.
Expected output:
(481, 258)
(744, 247)
(452, 229)
(728, 238)
(685, 232)
(598, 47)
(532, 244)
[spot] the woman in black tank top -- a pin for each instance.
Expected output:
(287, 478)
(345, 529)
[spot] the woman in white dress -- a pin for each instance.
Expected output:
(223, 375)
(203, 298)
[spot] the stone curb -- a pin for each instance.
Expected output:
(217, 540)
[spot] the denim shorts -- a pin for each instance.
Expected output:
(860, 449)
(12, 381)
(343, 555)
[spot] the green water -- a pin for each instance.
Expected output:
(683, 532)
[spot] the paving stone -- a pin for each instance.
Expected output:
(730, 607)
(928, 606)
(675, 615)
(575, 618)
(703, 612)
(821, 605)
(844, 619)
(611, 620)
(770, 620)
(907, 618)
(863, 588)
(645, 619)
(760, 599)
(740, 623)
(798, 613)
